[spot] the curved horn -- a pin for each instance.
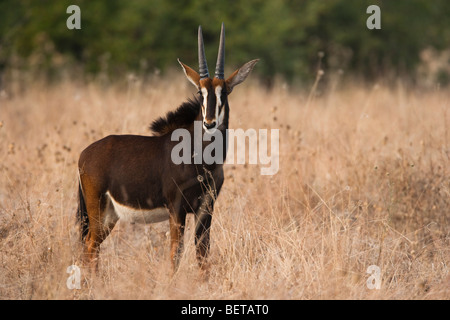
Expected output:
(220, 65)
(202, 65)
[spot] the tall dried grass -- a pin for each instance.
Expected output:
(363, 180)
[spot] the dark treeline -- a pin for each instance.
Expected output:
(287, 35)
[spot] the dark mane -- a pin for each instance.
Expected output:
(183, 116)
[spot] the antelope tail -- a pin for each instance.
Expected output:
(82, 215)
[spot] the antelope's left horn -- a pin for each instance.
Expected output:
(220, 65)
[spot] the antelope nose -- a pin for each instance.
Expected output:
(209, 125)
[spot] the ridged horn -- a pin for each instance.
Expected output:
(220, 65)
(202, 65)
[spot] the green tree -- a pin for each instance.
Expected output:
(140, 36)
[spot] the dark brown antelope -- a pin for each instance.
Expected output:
(133, 177)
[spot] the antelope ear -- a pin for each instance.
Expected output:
(240, 75)
(191, 74)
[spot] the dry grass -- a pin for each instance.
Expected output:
(363, 180)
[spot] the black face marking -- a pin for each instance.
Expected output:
(211, 107)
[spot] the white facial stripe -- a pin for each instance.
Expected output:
(218, 104)
(205, 101)
(221, 116)
(205, 98)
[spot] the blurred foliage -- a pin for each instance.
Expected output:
(144, 36)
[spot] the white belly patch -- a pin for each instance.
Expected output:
(135, 215)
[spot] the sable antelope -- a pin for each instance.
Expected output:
(133, 178)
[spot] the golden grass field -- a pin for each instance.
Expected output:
(363, 180)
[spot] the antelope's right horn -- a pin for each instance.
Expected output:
(202, 65)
